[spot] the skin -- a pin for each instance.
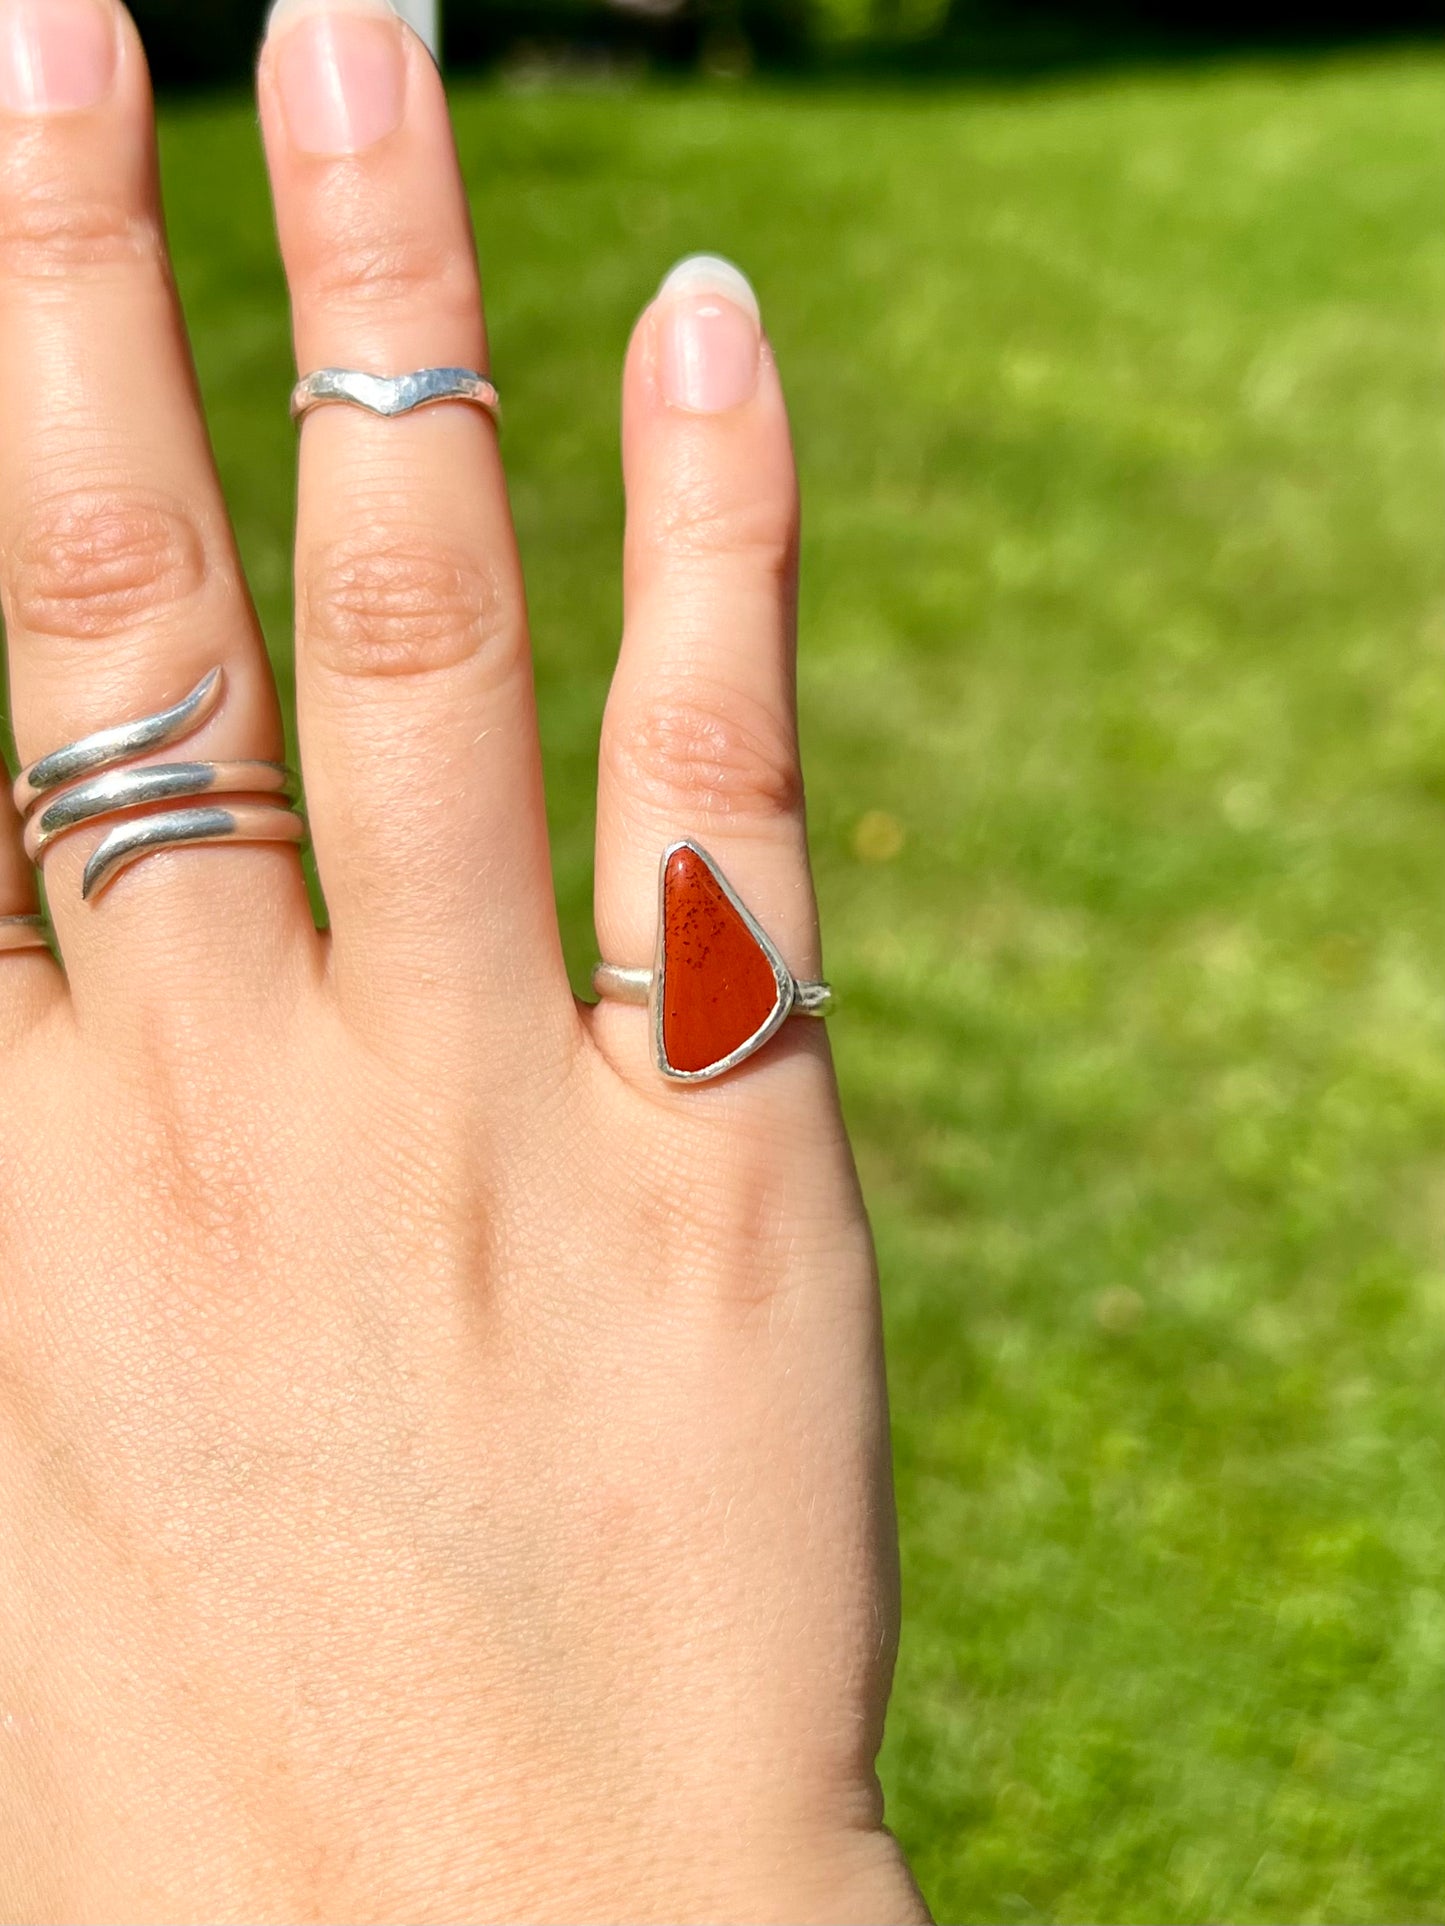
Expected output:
(443, 1466)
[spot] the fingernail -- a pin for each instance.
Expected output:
(709, 335)
(56, 55)
(340, 71)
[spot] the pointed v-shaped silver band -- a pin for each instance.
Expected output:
(393, 395)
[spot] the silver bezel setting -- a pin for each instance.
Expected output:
(782, 975)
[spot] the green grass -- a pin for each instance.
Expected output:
(1121, 407)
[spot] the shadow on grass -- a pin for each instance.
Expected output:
(1010, 56)
(200, 44)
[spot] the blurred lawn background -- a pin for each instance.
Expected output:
(1121, 411)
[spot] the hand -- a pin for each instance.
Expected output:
(443, 1465)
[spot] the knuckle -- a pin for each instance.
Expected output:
(202, 1153)
(47, 232)
(364, 267)
(692, 1244)
(703, 750)
(401, 608)
(701, 522)
(95, 563)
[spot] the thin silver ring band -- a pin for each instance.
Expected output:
(184, 829)
(121, 744)
(87, 785)
(393, 395)
(127, 789)
(618, 985)
(22, 933)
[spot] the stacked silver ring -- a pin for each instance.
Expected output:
(85, 782)
(22, 933)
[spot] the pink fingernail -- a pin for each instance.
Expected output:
(709, 336)
(340, 72)
(56, 56)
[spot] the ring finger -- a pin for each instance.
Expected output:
(28, 977)
(118, 570)
(700, 739)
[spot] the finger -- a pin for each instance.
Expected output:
(700, 736)
(414, 679)
(29, 980)
(118, 570)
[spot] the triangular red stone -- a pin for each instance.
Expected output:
(718, 984)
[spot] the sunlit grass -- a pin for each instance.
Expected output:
(1120, 409)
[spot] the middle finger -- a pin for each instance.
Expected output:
(414, 679)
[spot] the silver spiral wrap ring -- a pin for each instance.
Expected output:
(86, 782)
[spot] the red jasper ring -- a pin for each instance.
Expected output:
(718, 990)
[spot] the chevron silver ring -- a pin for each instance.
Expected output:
(393, 395)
